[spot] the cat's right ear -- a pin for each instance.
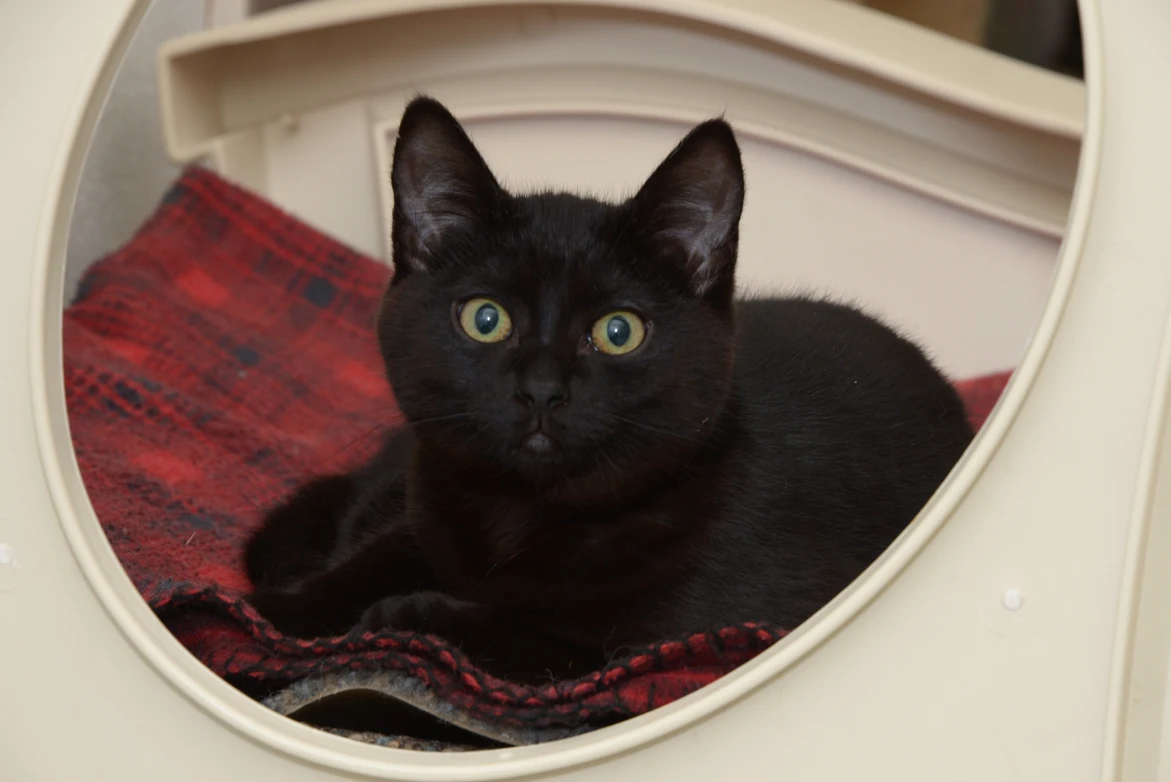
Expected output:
(441, 184)
(689, 209)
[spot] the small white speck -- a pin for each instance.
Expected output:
(7, 555)
(1013, 599)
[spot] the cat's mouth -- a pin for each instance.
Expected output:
(538, 443)
(536, 440)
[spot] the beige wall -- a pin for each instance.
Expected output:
(126, 170)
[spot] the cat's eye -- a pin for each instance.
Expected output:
(485, 320)
(618, 333)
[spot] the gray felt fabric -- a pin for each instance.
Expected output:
(314, 694)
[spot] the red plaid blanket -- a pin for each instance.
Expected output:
(221, 357)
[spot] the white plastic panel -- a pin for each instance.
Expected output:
(970, 288)
(944, 220)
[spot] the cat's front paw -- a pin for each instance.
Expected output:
(419, 612)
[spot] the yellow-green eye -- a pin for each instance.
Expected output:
(484, 320)
(618, 333)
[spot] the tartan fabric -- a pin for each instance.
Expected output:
(222, 356)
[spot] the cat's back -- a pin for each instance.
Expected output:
(840, 431)
(856, 418)
(820, 362)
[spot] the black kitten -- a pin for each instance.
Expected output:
(604, 448)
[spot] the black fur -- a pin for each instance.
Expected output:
(745, 463)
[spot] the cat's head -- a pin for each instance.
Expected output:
(555, 339)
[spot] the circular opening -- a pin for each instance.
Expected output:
(128, 609)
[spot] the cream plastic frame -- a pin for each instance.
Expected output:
(287, 104)
(1099, 348)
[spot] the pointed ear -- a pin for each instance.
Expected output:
(442, 186)
(689, 208)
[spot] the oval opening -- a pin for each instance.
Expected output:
(768, 149)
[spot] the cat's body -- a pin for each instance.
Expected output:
(554, 500)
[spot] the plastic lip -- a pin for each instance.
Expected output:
(199, 685)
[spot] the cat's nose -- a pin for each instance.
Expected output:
(542, 393)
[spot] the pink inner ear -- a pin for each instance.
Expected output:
(694, 199)
(440, 181)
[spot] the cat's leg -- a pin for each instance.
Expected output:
(328, 603)
(328, 518)
(493, 639)
(296, 537)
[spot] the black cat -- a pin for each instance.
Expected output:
(604, 448)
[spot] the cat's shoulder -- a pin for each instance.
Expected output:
(804, 312)
(820, 343)
(820, 326)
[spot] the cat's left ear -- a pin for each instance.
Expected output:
(689, 209)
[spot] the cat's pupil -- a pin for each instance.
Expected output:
(618, 331)
(487, 319)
